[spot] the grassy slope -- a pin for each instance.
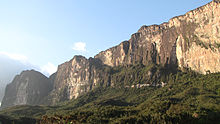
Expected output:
(187, 98)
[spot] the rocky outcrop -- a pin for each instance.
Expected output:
(30, 87)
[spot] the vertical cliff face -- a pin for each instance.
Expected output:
(78, 76)
(27, 88)
(188, 41)
(198, 46)
(115, 56)
(151, 44)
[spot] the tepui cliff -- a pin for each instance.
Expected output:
(190, 41)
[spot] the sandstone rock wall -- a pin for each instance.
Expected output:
(78, 76)
(188, 41)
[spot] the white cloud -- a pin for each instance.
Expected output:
(49, 68)
(14, 56)
(79, 46)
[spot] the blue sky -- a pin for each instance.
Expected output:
(49, 32)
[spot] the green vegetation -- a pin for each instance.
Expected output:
(188, 97)
(205, 45)
(218, 45)
(199, 42)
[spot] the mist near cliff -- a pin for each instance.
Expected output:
(9, 67)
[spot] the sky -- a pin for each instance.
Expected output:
(46, 33)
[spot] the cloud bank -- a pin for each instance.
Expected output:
(47, 69)
(14, 56)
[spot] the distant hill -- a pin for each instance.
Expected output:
(8, 69)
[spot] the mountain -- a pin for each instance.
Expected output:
(155, 76)
(8, 69)
(30, 87)
(190, 41)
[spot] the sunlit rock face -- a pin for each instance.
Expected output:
(78, 76)
(188, 41)
(30, 87)
(115, 56)
(198, 48)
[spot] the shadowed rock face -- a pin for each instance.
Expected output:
(8, 69)
(30, 87)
